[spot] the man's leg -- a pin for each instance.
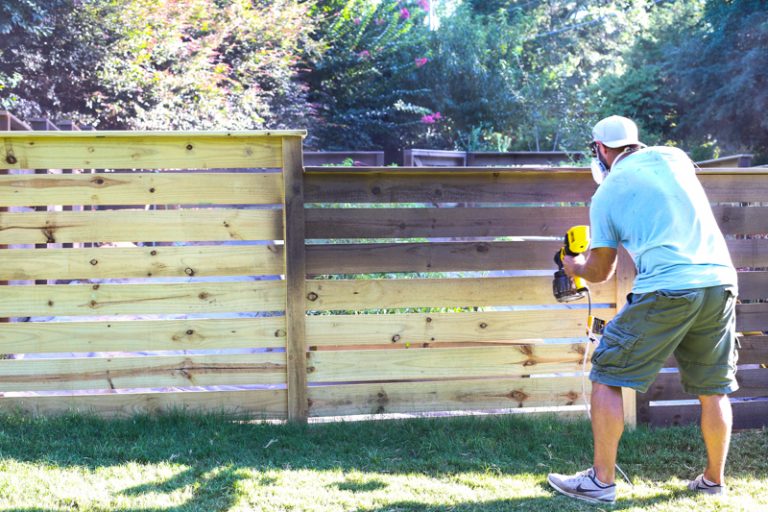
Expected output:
(716, 421)
(607, 427)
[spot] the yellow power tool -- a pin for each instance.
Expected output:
(565, 288)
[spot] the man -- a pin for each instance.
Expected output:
(682, 301)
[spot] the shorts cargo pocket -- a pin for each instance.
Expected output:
(673, 307)
(614, 348)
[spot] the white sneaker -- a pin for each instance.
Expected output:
(583, 486)
(700, 484)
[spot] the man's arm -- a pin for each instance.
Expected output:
(598, 266)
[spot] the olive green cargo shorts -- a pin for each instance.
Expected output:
(698, 326)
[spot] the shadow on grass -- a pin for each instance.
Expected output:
(216, 455)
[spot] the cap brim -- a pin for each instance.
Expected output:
(621, 143)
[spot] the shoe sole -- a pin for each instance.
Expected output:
(580, 496)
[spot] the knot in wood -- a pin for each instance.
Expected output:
(189, 271)
(153, 253)
(395, 338)
(189, 147)
(312, 296)
(571, 397)
(11, 159)
(518, 396)
(483, 325)
(96, 287)
(152, 190)
(190, 332)
(482, 248)
(280, 333)
(429, 319)
(99, 181)
(94, 261)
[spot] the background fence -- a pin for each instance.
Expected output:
(214, 272)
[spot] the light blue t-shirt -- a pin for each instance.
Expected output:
(653, 203)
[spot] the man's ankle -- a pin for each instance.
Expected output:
(605, 477)
(715, 479)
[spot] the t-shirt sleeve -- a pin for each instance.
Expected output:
(604, 233)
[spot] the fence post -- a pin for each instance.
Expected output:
(625, 275)
(295, 277)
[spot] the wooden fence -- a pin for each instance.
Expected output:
(309, 291)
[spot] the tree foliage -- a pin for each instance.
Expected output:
(365, 86)
(366, 74)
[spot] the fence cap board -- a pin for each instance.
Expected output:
(160, 134)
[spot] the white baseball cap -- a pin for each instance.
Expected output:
(616, 132)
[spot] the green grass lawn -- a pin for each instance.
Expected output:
(211, 463)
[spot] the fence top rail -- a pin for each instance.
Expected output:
(743, 171)
(128, 134)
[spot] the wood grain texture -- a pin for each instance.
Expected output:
(667, 386)
(752, 317)
(460, 395)
(738, 187)
(140, 189)
(750, 414)
(136, 299)
(142, 262)
(138, 335)
(358, 294)
(741, 220)
(431, 257)
(749, 253)
(251, 404)
(295, 281)
(141, 372)
(415, 364)
(140, 226)
(140, 150)
(417, 329)
(329, 223)
(753, 285)
(428, 186)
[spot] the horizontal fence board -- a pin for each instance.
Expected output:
(754, 350)
(752, 382)
(136, 299)
(752, 317)
(141, 262)
(753, 285)
(460, 185)
(372, 365)
(254, 404)
(750, 414)
(140, 226)
(430, 257)
(741, 186)
(328, 223)
(741, 220)
(134, 336)
(421, 328)
(412, 397)
(140, 188)
(141, 372)
(357, 294)
(750, 253)
(136, 150)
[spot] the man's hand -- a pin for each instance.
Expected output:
(573, 265)
(598, 266)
